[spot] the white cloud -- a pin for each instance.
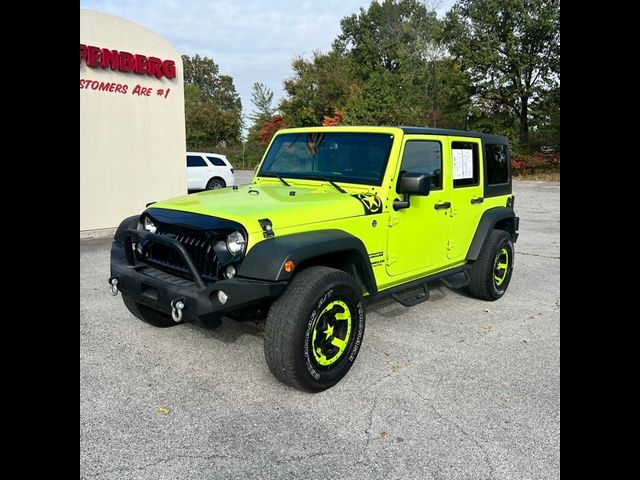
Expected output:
(253, 41)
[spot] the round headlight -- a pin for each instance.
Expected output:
(235, 243)
(149, 225)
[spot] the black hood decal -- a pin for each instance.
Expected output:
(372, 203)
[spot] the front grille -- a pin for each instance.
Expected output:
(198, 245)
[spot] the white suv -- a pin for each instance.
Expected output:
(208, 171)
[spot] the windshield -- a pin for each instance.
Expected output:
(337, 156)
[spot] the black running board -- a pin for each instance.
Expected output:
(446, 276)
(413, 301)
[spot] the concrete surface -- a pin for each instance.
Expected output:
(455, 388)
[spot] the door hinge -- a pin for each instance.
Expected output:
(391, 259)
(450, 244)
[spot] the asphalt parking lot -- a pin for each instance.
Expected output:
(454, 388)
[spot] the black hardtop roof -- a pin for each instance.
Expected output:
(450, 132)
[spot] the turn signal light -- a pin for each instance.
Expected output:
(289, 266)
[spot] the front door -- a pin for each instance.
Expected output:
(418, 235)
(466, 194)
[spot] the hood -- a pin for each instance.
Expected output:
(249, 203)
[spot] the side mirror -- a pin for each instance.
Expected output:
(411, 183)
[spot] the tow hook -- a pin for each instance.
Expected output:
(114, 285)
(176, 309)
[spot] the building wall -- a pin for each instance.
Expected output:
(132, 147)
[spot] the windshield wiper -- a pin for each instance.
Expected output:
(319, 177)
(274, 175)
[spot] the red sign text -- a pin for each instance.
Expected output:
(96, 57)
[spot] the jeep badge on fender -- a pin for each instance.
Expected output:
(335, 218)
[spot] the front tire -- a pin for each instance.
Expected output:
(491, 273)
(314, 330)
(146, 314)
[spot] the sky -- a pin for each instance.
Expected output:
(250, 40)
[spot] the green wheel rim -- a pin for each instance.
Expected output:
(331, 333)
(502, 266)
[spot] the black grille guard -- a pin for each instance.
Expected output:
(137, 235)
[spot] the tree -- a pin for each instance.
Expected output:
(511, 50)
(546, 122)
(377, 101)
(262, 98)
(388, 66)
(208, 125)
(395, 35)
(319, 87)
(253, 147)
(213, 110)
(333, 121)
(270, 128)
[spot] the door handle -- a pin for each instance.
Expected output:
(440, 206)
(477, 200)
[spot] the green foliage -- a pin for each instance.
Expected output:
(511, 50)
(546, 120)
(490, 65)
(395, 35)
(375, 102)
(254, 149)
(319, 87)
(262, 98)
(387, 67)
(212, 106)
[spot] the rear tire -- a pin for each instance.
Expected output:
(146, 314)
(314, 330)
(491, 272)
(216, 183)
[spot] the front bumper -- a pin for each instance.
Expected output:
(157, 289)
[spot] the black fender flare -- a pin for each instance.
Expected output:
(126, 224)
(266, 260)
(499, 217)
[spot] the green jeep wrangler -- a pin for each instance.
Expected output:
(336, 217)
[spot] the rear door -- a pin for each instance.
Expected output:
(466, 186)
(196, 172)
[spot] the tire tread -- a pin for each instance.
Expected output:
(285, 316)
(481, 283)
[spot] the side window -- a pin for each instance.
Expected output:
(466, 164)
(497, 163)
(424, 156)
(195, 161)
(218, 162)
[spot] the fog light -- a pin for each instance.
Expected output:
(230, 271)
(289, 266)
(222, 297)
